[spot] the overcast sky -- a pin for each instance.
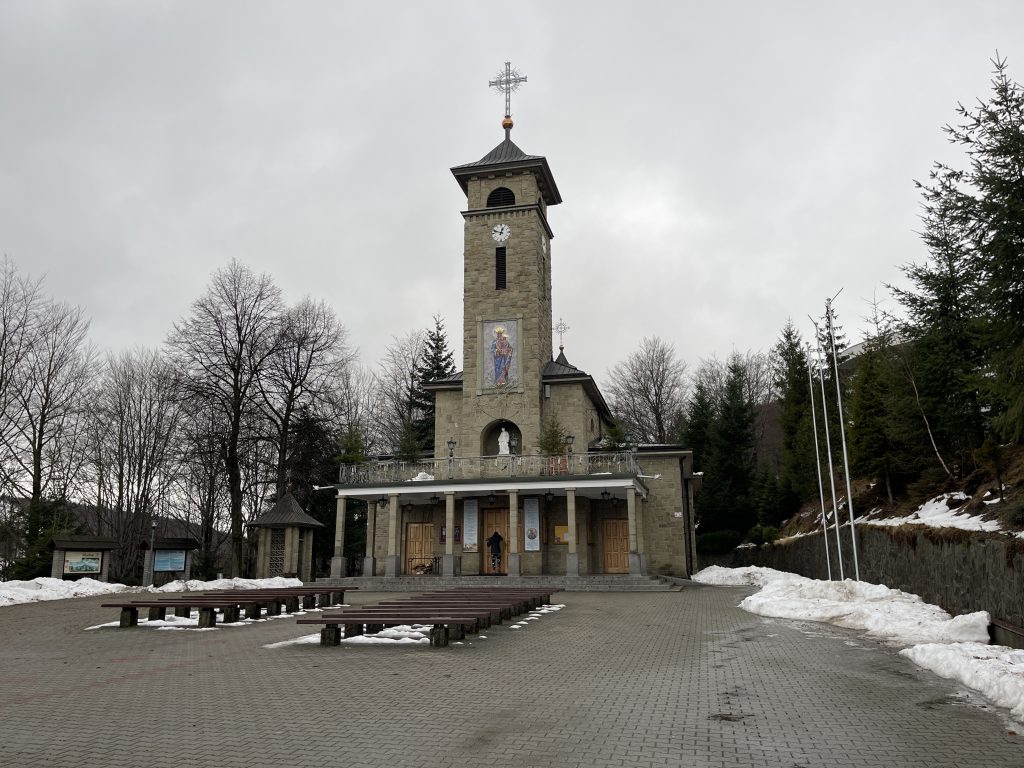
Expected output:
(723, 166)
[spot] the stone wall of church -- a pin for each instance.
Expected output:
(447, 416)
(663, 514)
(575, 411)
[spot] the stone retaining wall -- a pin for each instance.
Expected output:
(959, 571)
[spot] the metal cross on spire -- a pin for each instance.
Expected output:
(560, 328)
(507, 81)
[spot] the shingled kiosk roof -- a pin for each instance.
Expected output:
(76, 542)
(286, 514)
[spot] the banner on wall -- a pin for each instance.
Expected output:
(531, 525)
(469, 518)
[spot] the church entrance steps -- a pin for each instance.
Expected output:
(596, 583)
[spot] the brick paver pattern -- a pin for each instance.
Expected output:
(615, 679)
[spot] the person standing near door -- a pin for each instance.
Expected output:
(494, 545)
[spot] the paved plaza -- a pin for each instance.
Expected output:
(615, 679)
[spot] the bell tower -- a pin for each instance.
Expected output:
(507, 285)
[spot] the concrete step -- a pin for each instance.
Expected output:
(597, 583)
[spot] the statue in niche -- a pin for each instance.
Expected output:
(503, 440)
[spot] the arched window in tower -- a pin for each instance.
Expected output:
(501, 196)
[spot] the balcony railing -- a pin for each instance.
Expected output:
(483, 467)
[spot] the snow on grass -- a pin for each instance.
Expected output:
(45, 588)
(936, 513)
(951, 646)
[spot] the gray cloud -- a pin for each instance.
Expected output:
(723, 166)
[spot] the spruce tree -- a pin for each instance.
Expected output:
(789, 378)
(992, 207)
(726, 501)
(700, 416)
(437, 362)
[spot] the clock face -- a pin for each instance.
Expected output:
(501, 232)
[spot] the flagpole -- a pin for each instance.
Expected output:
(817, 464)
(842, 433)
(828, 450)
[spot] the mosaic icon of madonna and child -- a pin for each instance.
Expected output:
(501, 368)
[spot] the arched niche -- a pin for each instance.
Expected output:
(491, 433)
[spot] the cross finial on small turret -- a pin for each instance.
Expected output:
(560, 328)
(507, 80)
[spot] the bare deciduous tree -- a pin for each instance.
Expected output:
(136, 412)
(310, 354)
(395, 379)
(648, 391)
(55, 373)
(221, 350)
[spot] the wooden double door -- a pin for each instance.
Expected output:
(419, 548)
(494, 520)
(615, 538)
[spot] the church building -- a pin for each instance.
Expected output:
(521, 483)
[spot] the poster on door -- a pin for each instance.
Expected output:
(531, 525)
(469, 519)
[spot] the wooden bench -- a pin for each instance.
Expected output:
(229, 602)
(445, 625)
(158, 611)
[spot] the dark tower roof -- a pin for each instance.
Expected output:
(508, 157)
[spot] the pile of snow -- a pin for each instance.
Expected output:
(45, 588)
(936, 513)
(192, 585)
(993, 669)
(951, 646)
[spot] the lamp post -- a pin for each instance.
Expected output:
(152, 553)
(451, 457)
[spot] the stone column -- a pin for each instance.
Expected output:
(370, 561)
(339, 568)
(635, 565)
(392, 560)
(515, 566)
(147, 567)
(641, 541)
(450, 566)
(572, 557)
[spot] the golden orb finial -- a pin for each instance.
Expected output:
(507, 123)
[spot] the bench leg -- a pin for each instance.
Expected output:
(353, 630)
(129, 617)
(231, 614)
(338, 598)
(157, 614)
(308, 601)
(291, 604)
(458, 632)
(182, 611)
(330, 635)
(252, 611)
(207, 617)
(323, 600)
(373, 628)
(439, 636)
(274, 608)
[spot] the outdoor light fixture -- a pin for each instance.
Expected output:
(435, 500)
(605, 495)
(382, 502)
(491, 498)
(569, 441)
(451, 447)
(514, 443)
(408, 507)
(549, 497)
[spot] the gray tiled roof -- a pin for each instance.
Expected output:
(506, 152)
(285, 514)
(449, 382)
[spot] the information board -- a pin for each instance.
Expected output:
(531, 524)
(169, 560)
(469, 520)
(83, 562)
